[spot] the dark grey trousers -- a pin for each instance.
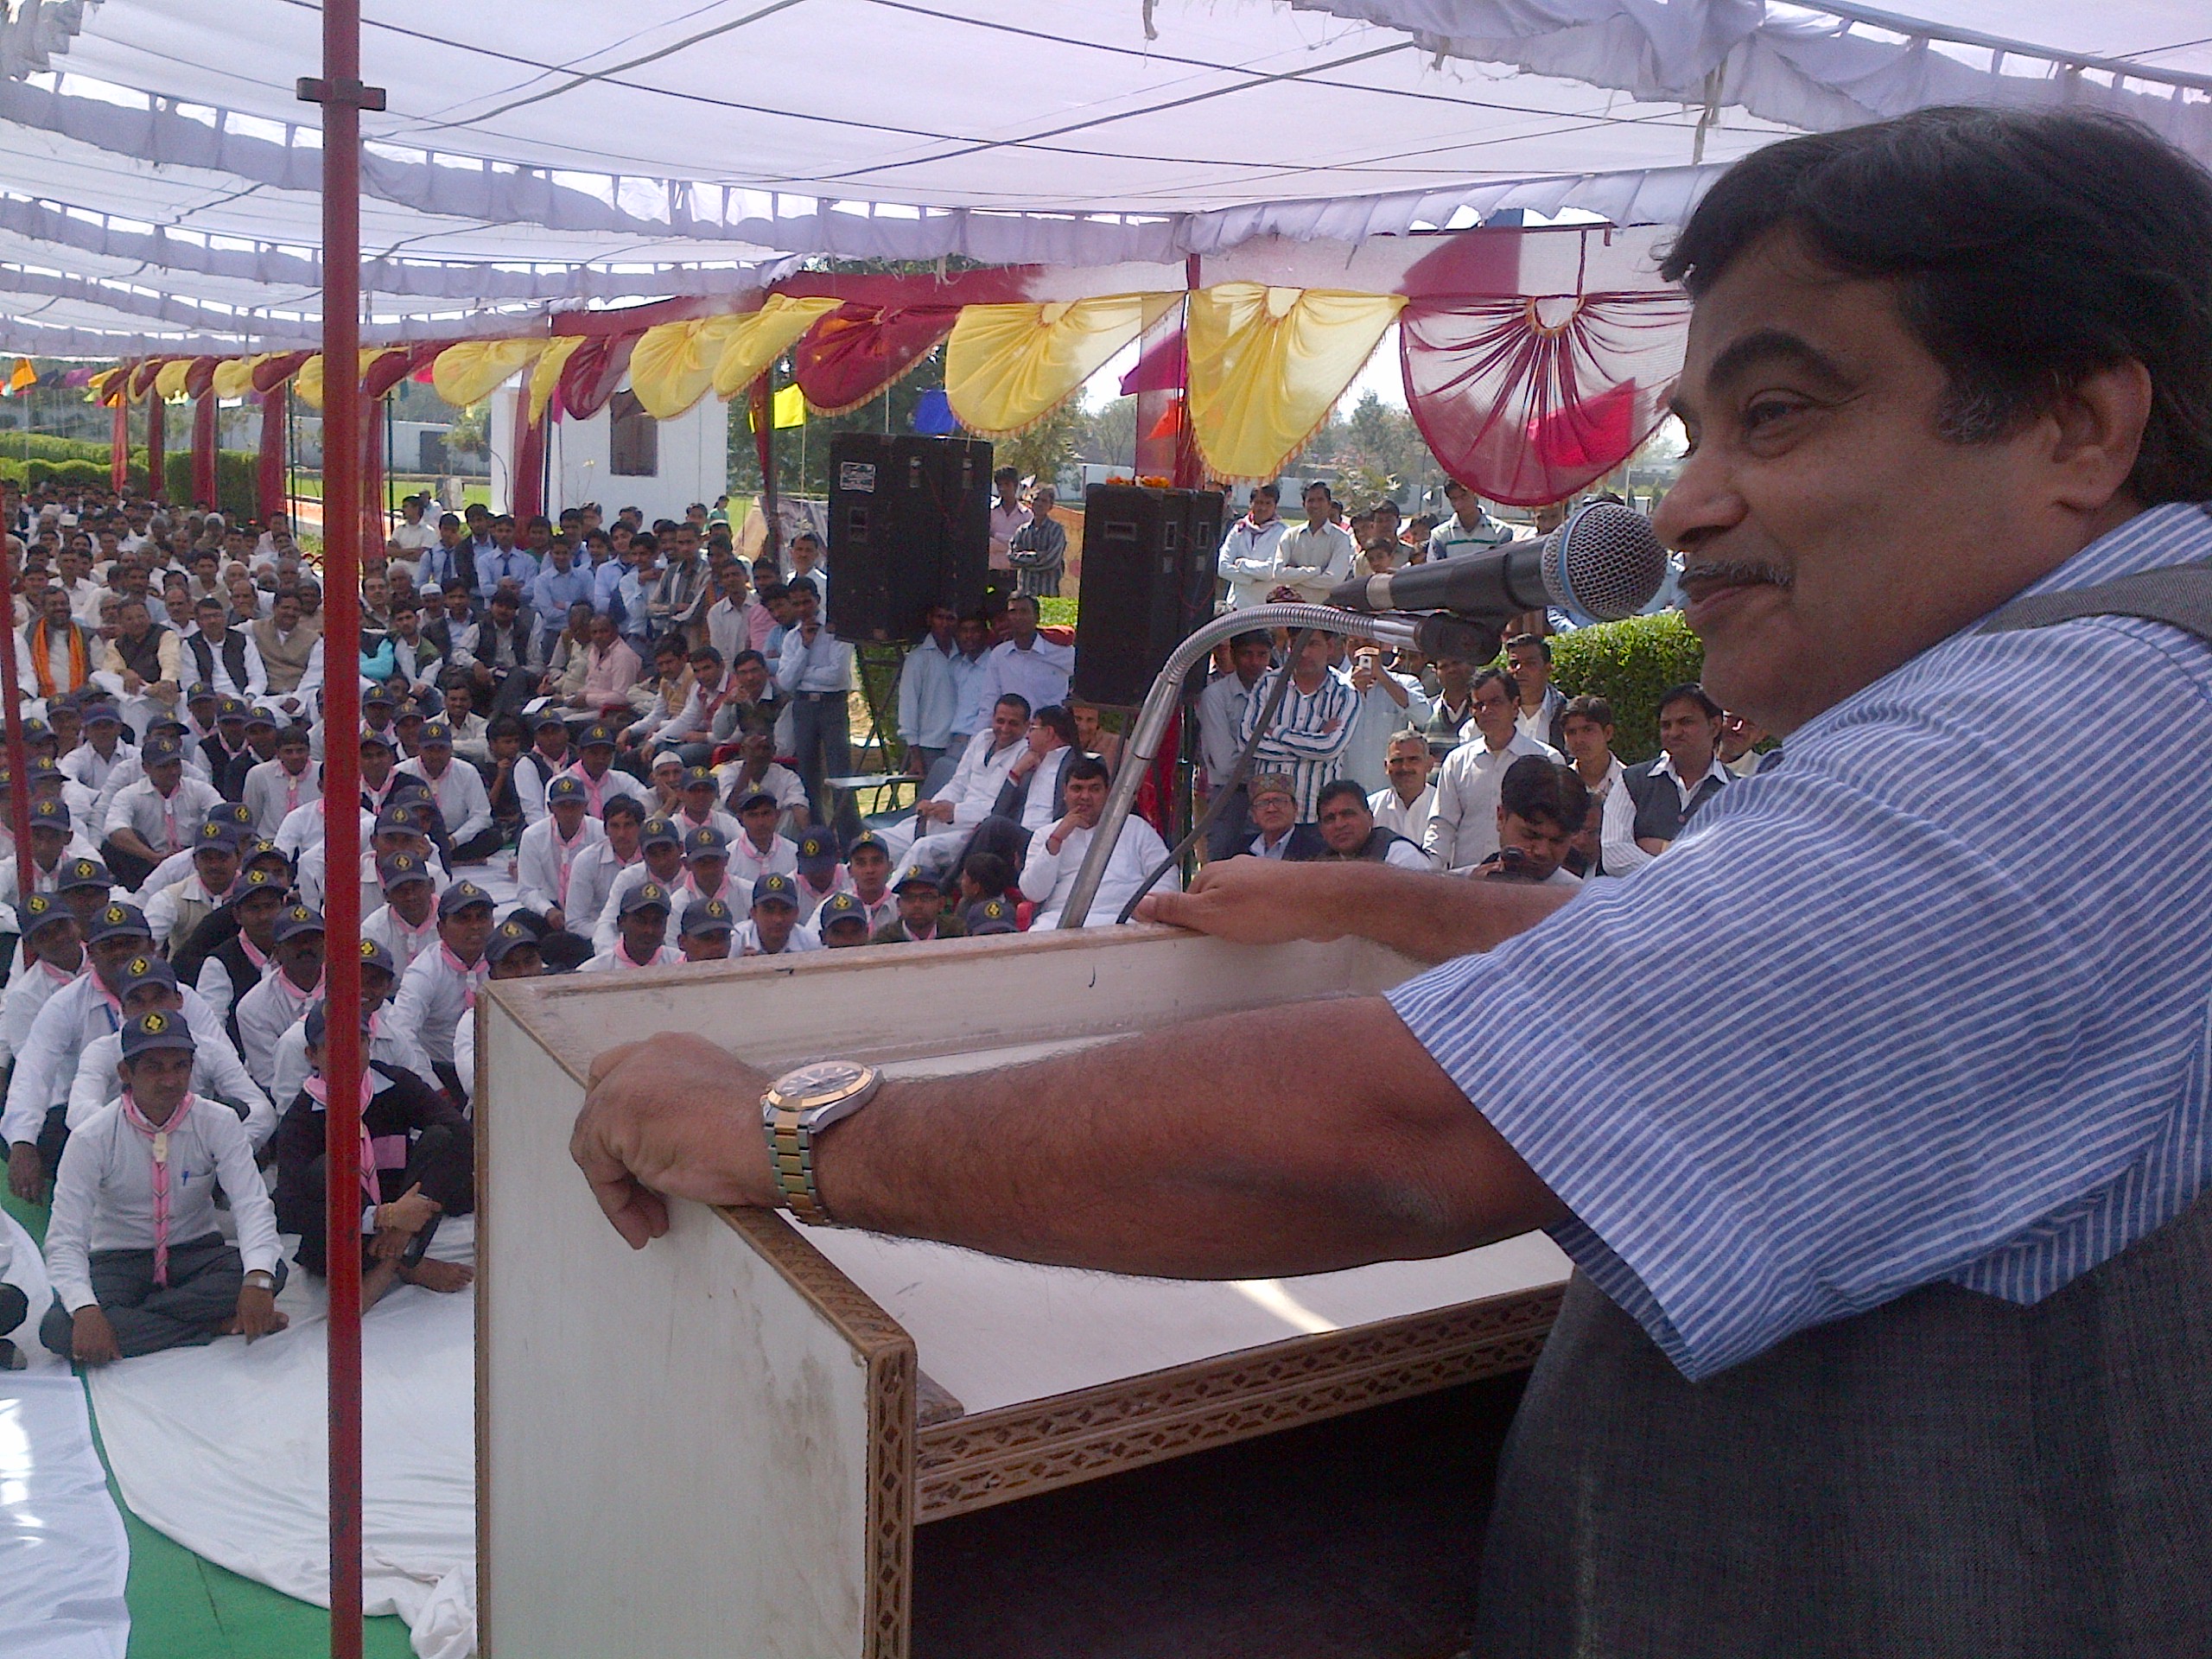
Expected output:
(1948, 1477)
(205, 1277)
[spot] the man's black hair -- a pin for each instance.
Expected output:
(1511, 686)
(807, 585)
(1689, 691)
(1535, 639)
(1533, 789)
(1338, 790)
(1017, 700)
(2029, 249)
(1086, 768)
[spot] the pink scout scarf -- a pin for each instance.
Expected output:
(291, 789)
(470, 977)
(299, 999)
(318, 1090)
(566, 850)
(160, 1137)
(252, 952)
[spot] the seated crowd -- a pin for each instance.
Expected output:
(640, 729)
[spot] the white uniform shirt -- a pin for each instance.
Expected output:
(746, 941)
(272, 794)
(545, 863)
(617, 960)
(463, 801)
(928, 699)
(389, 928)
(1463, 827)
(389, 1047)
(46, 1064)
(165, 823)
(747, 863)
(164, 908)
(265, 1013)
(606, 927)
(599, 791)
(29, 988)
(1048, 878)
(432, 995)
(103, 1194)
(591, 878)
(216, 1073)
(976, 783)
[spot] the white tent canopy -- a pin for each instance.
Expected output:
(158, 175)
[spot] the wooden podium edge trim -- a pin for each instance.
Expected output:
(994, 1457)
(881, 1344)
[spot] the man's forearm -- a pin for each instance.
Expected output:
(1426, 914)
(1295, 1139)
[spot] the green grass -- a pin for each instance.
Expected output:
(308, 488)
(1056, 612)
(182, 1607)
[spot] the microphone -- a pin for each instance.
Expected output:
(1602, 564)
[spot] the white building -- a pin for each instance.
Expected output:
(621, 457)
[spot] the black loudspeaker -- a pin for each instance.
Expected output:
(910, 527)
(1148, 559)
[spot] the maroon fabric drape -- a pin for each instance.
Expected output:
(1527, 399)
(118, 463)
(203, 451)
(373, 528)
(157, 458)
(526, 490)
(268, 376)
(269, 463)
(592, 374)
(851, 355)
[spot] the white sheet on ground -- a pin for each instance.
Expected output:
(225, 1448)
(63, 1554)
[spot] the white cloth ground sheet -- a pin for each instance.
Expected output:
(63, 1555)
(225, 1448)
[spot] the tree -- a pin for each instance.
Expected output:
(468, 435)
(1107, 435)
(1045, 448)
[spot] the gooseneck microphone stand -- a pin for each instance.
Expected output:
(1433, 635)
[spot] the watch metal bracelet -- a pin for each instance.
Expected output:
(791, 1155)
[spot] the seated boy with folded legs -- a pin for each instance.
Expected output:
(132, 1248)
(418, 1162)
(14, 1309)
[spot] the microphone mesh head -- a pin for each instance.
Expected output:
(1604, 562)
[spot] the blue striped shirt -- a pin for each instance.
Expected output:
(1309, 736)
(1930, 1001)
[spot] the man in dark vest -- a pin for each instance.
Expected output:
(1349, 830)
(1657, 798)
(222, 657)
(1891, 1331)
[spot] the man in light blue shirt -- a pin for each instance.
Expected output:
(633, 591)
(928, 697)
(1889, 1330)
(815, 672)
(560, 584)
(503, 562)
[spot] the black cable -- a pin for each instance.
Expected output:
(1237, 773)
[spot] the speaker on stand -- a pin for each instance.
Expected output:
(1148, 560)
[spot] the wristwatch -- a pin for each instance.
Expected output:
(261, 1279)
(798, 1106)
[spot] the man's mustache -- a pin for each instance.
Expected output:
(1735, 573)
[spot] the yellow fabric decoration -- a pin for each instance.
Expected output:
(307, 382)
(672, 365)
(96, 388)
(234, 377)
(545, 376)
(759, 338)
(787, 408)
(1008, 367)
(469, 372)
(1267, 365)
(168, 379)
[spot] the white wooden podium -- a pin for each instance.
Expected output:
(728, 1444)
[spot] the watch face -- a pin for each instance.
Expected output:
(823, 1079)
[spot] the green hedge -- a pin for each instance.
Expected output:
(1630, 665)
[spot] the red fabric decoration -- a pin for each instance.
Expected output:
(1526, 400)
(158, 473)
(203, 449)
(200, 378)
(386, 371)
(592, 374)
(851, 355)
(277, 371)
(119, 440)
(526, 495)
(268, 465)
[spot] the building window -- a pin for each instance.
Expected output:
(632, 438)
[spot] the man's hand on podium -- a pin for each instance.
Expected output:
(676, 1116)
(1258, 901)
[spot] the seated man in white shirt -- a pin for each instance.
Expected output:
(1405, 803)
(1349, 830)
(1540, 809)
(138, 1262)
(291, 987)
(149, 984)
(775, 929)
(1048, 873)
(641, 933)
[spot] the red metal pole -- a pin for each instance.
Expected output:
(343, 98)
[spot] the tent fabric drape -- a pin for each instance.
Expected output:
(168, 379)
(233, 377)
(526, 491)
(1267, 365)
(156, 448)
(594, 373)
(118, 440)
(751, 349)
(467, 374)
(545, 373)
(672, 365)
(1527, 400)
(858, 352)
(1008, 367)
